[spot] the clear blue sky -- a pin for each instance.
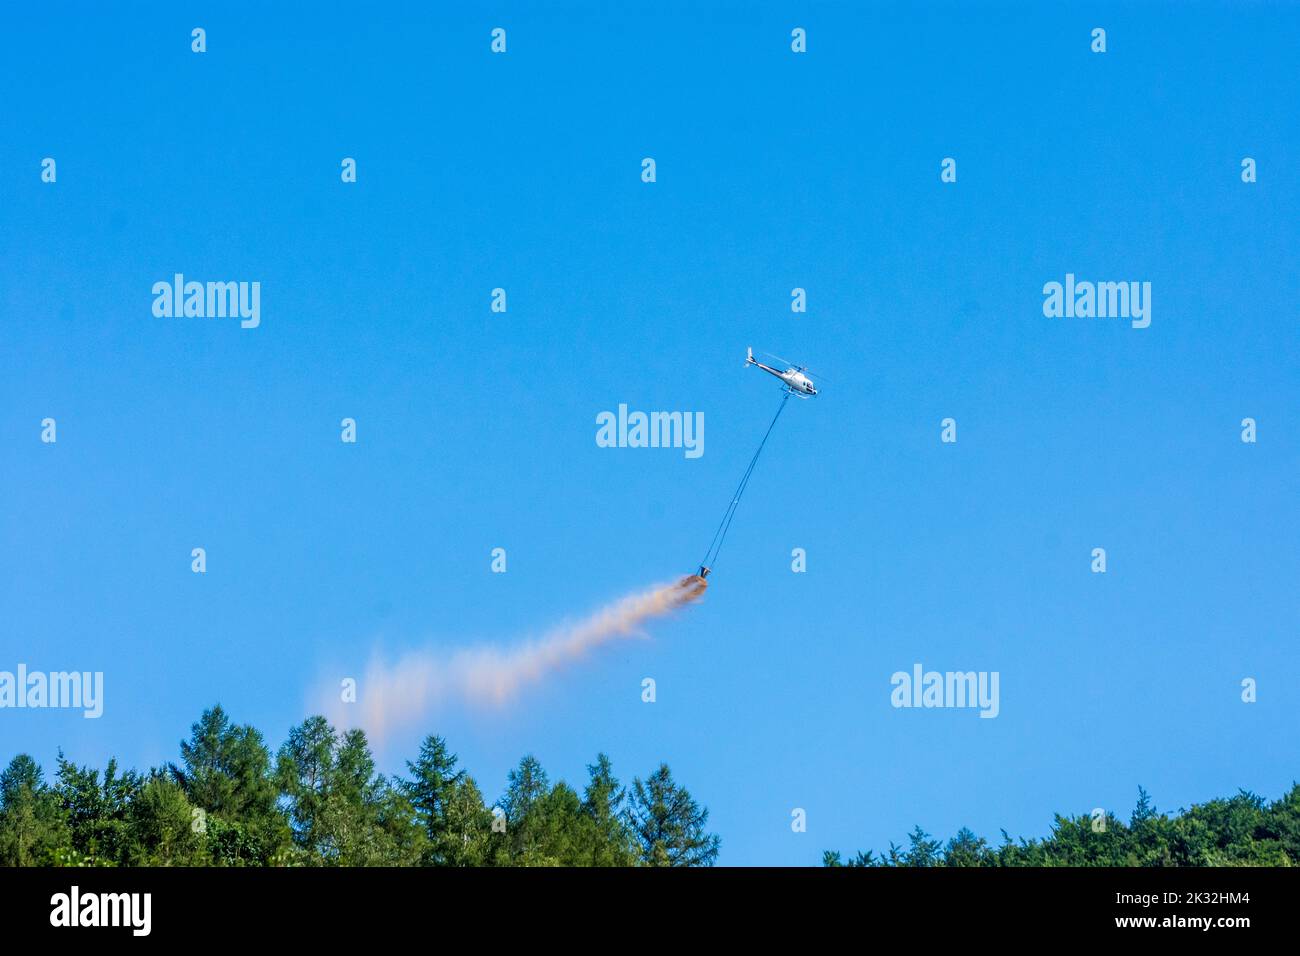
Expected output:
(477, 430)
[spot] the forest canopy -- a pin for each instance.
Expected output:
(229, 800)
(1243, 830)
(319, 801)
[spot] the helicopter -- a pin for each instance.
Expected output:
(796, 382)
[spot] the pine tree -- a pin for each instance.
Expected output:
(610, 842)
(526, 786)
(668, 824)
(226, 773)
(97, 813)
(561, 833)
(433, 782)
(343, 812)
(32, 829)
(466, 837)
(303, 770)
(922, 851)
(966, 849)
(162, 826)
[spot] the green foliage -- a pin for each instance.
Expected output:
(321, 802)
(32, 826)
(433, 787)
(226, 774)
(96, 812)
(668, 824)
(466, 838)
(966, 849)
(341, 811)
(1240, 831)
(161, 826)
(550, 825)
(610, 841)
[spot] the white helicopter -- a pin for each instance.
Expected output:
(796, 382)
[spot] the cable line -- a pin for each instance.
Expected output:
(719, 536)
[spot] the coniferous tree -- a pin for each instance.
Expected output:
(162, 827)
(1244, 830)
(97, 812)
(559, 829)
(466, 837)
(226, 772)
(326, 804)
(526, 785)
(32, 827)
(611, 842)
(343, 812)
(669, 826)
(1282, 823)
(922, 851)
(370, 822)
(433, 783)
(966, 849)
(303, 770)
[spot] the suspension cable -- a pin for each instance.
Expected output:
(719, 536)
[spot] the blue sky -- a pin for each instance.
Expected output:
(477, 430)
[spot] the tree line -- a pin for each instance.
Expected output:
(319, 801)
(1243, 830)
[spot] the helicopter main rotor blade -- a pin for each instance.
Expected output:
(779, 359)
(792, 366)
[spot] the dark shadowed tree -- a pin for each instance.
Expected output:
(32, 829)
(97, 811)
(1244, 830)
(921, 850)
(966, 849)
